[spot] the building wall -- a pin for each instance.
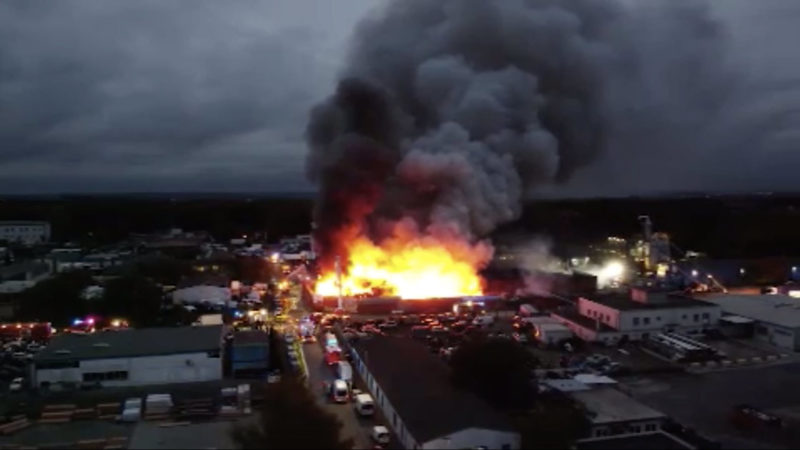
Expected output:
(475, 437)
(635, 323)
(623, 429)
(163, 369)
(594, 310)
(782, 337)
(25, 232)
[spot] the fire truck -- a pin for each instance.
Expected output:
(35, 331)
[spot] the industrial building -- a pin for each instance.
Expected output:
(130, 358)
(413, 389)
(18, 277)
(612, 413)
(776, 318)
(249, 354)
(24, 232)
(612, 317)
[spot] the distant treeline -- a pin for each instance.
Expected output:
(722, 226)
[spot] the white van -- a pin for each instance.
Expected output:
(364, 405)
(340, 391)
(344, 371)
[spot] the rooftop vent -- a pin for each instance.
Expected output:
(63, 352)
(101, 344)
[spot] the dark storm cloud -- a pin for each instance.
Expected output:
(152, 95)
(89, 88)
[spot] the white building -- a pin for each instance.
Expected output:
(202, 294)
(776, 317)
(413, 390)
(24, 232)
(18, 277)
(608, 318)
(131, 357)
(612, 413)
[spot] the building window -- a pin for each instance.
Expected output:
(635, 321)
(646, 321)
(705, 316)
(684, 317)
(696, 318)
(658, 318)
(105, 376)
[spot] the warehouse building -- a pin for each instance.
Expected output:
(24, 232)
(413, 389)
(130, 358)
(612, 317)
(776, 318)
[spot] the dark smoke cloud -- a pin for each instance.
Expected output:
(450, 112)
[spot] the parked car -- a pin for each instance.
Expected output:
(380, 434)
(16, 385)
(522, 338)
(746, 416)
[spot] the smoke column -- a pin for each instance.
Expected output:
(450, 111)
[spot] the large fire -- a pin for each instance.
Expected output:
(409, 266)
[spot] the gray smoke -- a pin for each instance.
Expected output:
(451, 111)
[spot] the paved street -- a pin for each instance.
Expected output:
(704, 401)
(318, 372)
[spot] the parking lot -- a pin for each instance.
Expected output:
(704, 401)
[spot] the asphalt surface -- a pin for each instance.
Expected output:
(704, 401)
(319, 372)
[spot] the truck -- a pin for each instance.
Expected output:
(209, 319)
(344, 371)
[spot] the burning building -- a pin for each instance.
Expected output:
(446, 115)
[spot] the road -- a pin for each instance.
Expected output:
(704, 401)
(319, 372)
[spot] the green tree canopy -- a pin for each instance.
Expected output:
(133, 297)
(57, 299)
(498, 370)
(291, 419)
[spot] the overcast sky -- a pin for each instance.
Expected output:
(194, 95)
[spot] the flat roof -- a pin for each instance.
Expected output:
(608, 405)
(650, 441)
(418, 385)
(661, 301)
(780, 310)
(131, 343)
(23, 222)
(565, 384)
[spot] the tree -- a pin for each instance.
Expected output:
(555, 422)
(57, 299)
(291, 418)
(163, 269)
(134, 297)
(498, 370)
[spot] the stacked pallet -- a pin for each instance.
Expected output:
(157, 406)
(107, 411)
(56, 417)
(14, 426)
(196, 408)
(85, 414)
(90, 443)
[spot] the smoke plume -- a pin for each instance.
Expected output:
(450, 111)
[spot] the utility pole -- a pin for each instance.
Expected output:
(339, 281)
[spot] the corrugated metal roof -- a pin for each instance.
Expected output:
(780, 310)
(131, 343)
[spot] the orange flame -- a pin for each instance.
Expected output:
(410, 266)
